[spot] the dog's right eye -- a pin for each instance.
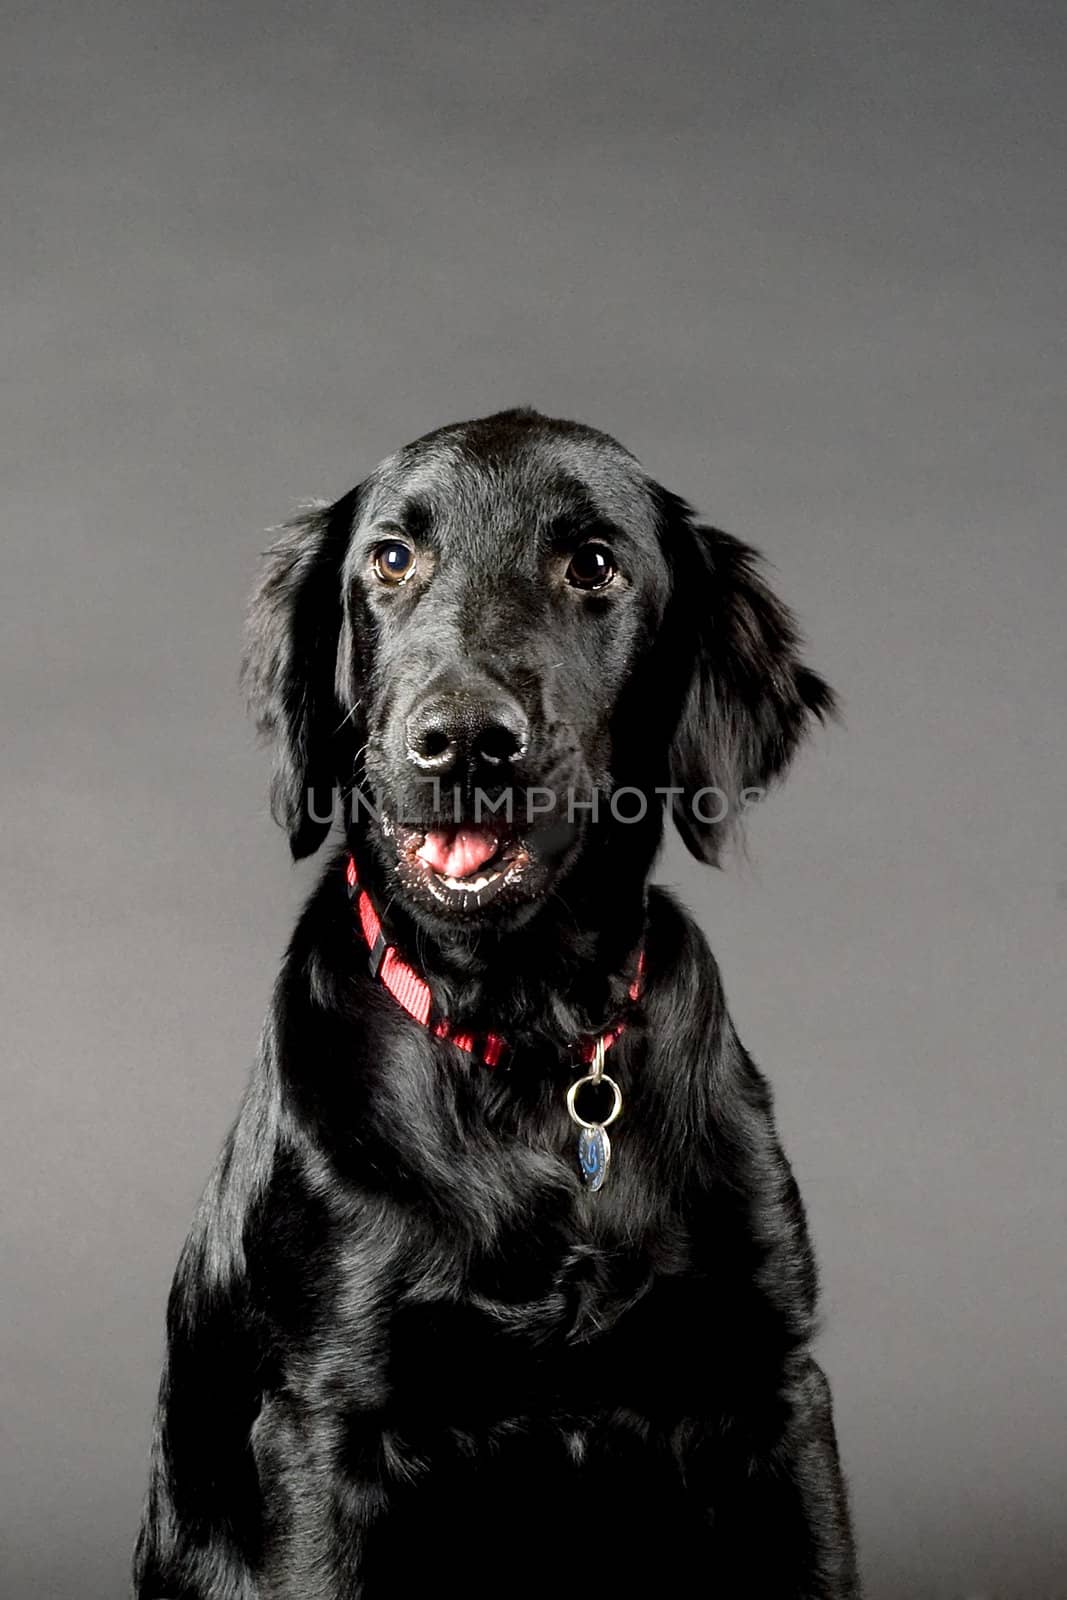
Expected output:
(592, 566)
(394, 561)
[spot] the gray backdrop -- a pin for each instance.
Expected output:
(805, 260)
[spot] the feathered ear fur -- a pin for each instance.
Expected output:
(289, 668)
(750, 699)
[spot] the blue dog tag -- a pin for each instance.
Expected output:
(594, 1155)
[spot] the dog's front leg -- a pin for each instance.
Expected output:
(776, 1499)
(201, 1530)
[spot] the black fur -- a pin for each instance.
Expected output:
(405, 1349)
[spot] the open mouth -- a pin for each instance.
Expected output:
(461, 866)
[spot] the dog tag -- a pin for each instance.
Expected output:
(594, 1156)
(594, 1146)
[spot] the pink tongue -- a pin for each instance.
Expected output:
(459, 853)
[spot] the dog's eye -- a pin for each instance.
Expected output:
(592, 566)
(394, 561)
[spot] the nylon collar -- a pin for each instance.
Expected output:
(413, 994)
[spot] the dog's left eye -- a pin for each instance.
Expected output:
(592, 566)
(394, 561)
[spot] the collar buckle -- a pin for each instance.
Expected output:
(376, 953)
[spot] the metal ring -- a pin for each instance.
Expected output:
(580, 1083)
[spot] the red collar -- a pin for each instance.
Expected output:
(413, 993)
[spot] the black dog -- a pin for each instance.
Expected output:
(434, 1324)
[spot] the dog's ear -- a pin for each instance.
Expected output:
(289, 667)
(749, 699)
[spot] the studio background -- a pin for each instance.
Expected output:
(807, 262)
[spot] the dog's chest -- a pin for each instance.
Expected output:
(532, 1323)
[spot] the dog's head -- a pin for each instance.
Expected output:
(506, 648)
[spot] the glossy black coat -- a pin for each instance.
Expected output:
(406, 1349)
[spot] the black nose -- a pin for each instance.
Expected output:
(448, 732)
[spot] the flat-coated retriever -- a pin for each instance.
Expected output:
(434, 1324)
